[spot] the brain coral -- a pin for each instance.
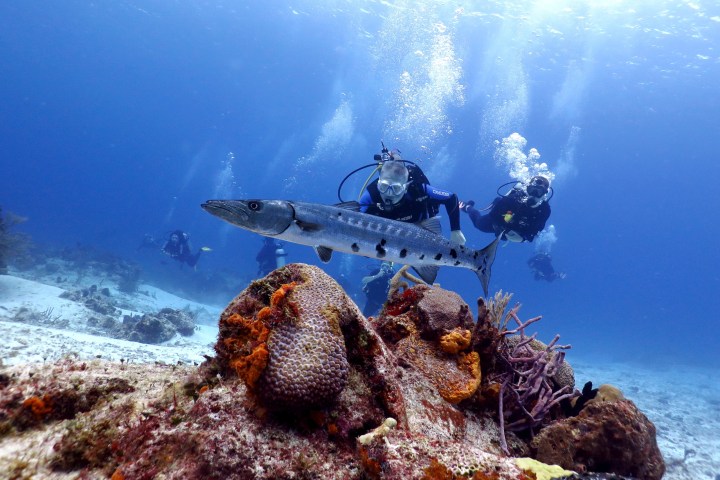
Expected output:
(282, 336)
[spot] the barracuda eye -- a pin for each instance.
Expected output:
(254, 206)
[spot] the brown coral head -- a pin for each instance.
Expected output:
(282, 336)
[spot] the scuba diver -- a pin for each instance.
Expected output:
(402, 192)
(518, 215)
(541, 266)
(376, 287)
(270, 257)
(149, 241)
(178, 248)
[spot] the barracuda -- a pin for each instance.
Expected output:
(344, 229)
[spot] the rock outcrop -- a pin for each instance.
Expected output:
(304, 386)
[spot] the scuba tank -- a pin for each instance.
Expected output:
(280, 256)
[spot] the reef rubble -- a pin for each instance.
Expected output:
(303, 386)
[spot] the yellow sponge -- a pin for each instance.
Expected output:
(543, 471)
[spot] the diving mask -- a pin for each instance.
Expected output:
(391, 189)
(537, 188)
(536, 191)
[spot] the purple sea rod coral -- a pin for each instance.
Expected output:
(528, 390)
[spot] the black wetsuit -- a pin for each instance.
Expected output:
(420, 202)
(376, 291)
(512, 213)
(267, 257)
(181, 251)
(541, 265)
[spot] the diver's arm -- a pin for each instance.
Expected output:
(484, 223)
(365, 201)
(450, 200)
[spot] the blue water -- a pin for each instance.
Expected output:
(117, 119)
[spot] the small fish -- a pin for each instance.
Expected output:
(344, 228)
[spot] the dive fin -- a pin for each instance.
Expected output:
(487, 257)
(433, 224)
(428, 273)
(324, 253)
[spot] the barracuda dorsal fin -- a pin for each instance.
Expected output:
(428, 273)
(432, 224)
(352, 206)
(324, 253)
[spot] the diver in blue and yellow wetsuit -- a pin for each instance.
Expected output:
(519, 215)
(399, 194)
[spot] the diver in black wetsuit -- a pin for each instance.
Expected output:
(541, 266)
(376, 287)
(398, 195)
(270, 257)
(518, 216)
(178, 248)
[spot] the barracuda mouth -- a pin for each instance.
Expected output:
(266, 217)
(226, 211)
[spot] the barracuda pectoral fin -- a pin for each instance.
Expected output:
(324, 253)
(433, 224)
(486, 257)
(428, 273)
(307, 226)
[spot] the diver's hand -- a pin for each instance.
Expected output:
(456, 236)
(366, 280)
(465, 205)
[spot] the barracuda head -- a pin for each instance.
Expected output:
(266, 217)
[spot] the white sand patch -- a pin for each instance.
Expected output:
(17, 293)
(25, 343)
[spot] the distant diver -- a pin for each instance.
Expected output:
(517, 216)
(376, 287)
(149, 241)
(542, 268)
(270, 257)
(345, 229)
(178, 248)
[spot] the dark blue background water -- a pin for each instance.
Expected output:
(118, 119)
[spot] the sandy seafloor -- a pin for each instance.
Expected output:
(682, 402)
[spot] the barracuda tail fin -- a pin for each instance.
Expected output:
(484, 262)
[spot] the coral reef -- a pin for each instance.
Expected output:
(282, 336)
(13, 245)
(155, 327)
(95, 298)
(303, 386)
(430, 329)
(607, 436)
